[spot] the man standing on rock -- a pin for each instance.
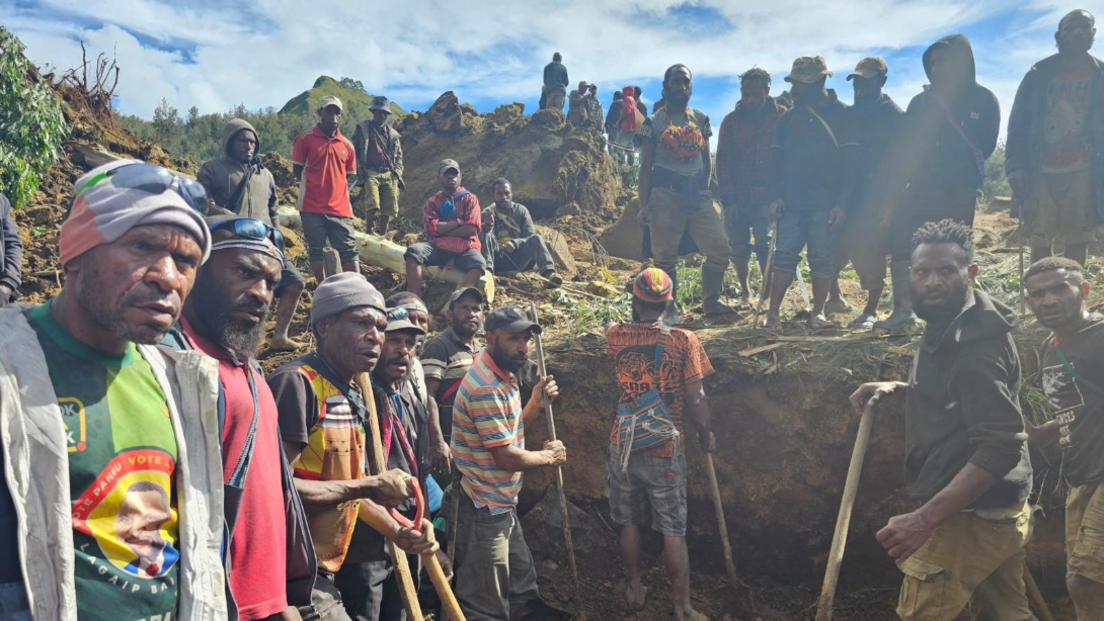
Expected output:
(950, 130)
(273, 564)
(966, 461)
(876, 124)
(325, 160)
(239, 183)
(11, 255)
(660, 372)
(743, 148)
(595, 109)
(675, 199)
(447, 358)
(452, 220)
(495, 575)
(323, 425)
(1073, 381)
(510, 243)
(578, 108)
(109, 445)
(379, 152)
(1052, 139)
(555, 84)
(811, 180)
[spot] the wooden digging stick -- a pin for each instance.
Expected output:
(722, 526)
(764, 292)
(559, 476)
(1035, 596)
(843, 521)
(377, 464)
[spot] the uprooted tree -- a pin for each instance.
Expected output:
(32, 123)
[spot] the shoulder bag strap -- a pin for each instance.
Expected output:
(824, 124)
(1072, 371)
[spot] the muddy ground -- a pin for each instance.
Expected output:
(782, 422)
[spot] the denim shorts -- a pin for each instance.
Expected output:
(425, 253)
(798, 230)
(654, 489)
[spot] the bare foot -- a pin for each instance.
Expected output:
(283, 343)
(820, 322)
(773, 322)
(636, 597)
(689, 615)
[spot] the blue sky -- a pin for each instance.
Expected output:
(215, 54)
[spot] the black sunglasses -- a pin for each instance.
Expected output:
(252, 229)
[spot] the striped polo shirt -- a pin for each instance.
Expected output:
(487, 415)
(446, 358)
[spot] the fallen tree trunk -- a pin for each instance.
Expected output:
(380, 252)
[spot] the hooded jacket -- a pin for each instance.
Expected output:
(810, 167)
(876, 125)
(221, 176)
(743, 150)
(1024, 146)
(933, 152)
(963, 406)
(11, 249)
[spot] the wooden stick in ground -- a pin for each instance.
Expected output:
(843, 521)
(377, 464)
(722, 526)
(558, 475)
(766, 278)
(1035, 597)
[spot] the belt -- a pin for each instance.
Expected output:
(379, 170)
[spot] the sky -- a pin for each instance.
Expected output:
(216, 54)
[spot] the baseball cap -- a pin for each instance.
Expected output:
(459, 293)
(584, 84)
(447, 164)
(510, 318)
(330, 100)
(870, 67)
(808, 69)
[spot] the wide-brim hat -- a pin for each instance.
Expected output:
(808, 69)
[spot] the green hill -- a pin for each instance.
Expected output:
(356, 100)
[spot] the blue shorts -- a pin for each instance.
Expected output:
(798, 230)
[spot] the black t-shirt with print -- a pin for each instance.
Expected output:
(1075, 404)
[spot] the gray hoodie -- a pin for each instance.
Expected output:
(221, 176)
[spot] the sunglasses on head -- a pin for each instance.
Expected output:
(153, 179)
(253, 229)
(401, 313)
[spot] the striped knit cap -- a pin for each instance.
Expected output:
(653, 285)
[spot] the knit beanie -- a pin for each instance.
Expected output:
(102, 213)
(343, 291)
(653, 285)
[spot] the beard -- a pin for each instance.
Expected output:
(89, 295)
(677, 100)
(214, 310)
(945, 312)
(506, 363)
(462, 330)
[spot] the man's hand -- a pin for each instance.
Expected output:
(418, 542)
(708, 443)
(510, 246)
(1044, 434)
(392, 487)
(291, 613)
(1016, 182)
(836, 218)
(446, 564)
(5, 295)
(488, 219)
(872, 393)
(645, 214)
(777, 208)
(556, 451)
(546, 388)
(905, 534)
(440, 457)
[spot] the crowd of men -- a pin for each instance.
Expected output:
(152, 471)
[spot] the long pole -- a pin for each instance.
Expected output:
(722, 526)
(559, 474)
(766, 277)
(376, 466)
(1035, 596)
(843, 521)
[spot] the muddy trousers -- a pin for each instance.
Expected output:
(975, 559)
(533, 252)
(704, 225)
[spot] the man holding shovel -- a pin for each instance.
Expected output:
(966, 459)
(660, 372)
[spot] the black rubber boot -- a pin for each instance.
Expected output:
(672, 315)
(712, 281)
(902, 315)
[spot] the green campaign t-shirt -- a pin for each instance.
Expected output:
(122, 459)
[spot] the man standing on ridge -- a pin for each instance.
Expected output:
(555, 84)
(380, 169)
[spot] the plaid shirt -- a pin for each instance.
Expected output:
(467, 212)
(743, 147)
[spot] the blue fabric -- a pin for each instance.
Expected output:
(435, 495)
(796, 230)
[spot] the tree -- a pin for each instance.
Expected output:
(32, 124)
(193, 116)
(166, 122)
(350, 83)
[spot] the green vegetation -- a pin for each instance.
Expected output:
(199, 136)
(996, 184)
(32, 123)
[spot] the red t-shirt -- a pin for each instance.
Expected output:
(258, 576)
(467, 212)
(327, 162)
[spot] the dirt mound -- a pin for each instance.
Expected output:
(555, 170)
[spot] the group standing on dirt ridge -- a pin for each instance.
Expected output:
(151, 470)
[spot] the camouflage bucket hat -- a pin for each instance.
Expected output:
(808, 69)
(870, 67)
